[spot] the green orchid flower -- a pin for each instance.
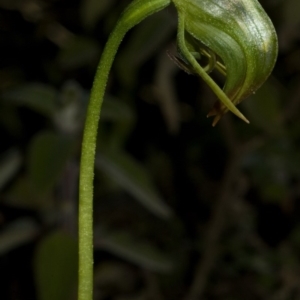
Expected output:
(235, 37)
(240, 34)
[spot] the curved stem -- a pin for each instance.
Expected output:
(217, 90)
(135, 12)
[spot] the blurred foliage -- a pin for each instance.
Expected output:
(182, 210)
(56, 266)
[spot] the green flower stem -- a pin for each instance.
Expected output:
(200, 71)
(135, 13)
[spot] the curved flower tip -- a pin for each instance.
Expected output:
(234, 37)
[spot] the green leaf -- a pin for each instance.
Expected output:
(48, 153)
(39, 97)
(132, 177)
(56, 267)
(143, 254)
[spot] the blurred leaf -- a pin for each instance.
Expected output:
(123, 244)
(17, 233)
(121, 118)
(274, 191)
(272, 167)
(70, 116)
(144, 42)
(132, 177)
(92, 10)
(39, 97)
(56, 267)
(291, 12)
(10, 119)
(295, 237)
(264, 108)
(116, 110)
(10, 163)
(22, 195)
(113, 277)
(48, 153)
(7, 4)
(141, 295)
(79, 52)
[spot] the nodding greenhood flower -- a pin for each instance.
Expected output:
(238, 40)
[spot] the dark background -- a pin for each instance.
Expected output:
(182, 210)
